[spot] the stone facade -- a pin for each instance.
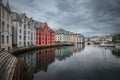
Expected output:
(17, 30)
(24, 30)
(5, 26)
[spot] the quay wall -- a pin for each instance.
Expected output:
(17, 51)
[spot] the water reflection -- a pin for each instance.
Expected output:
(78, 62)
(78, 47)
(116, 52)
(41, 59)
(62, 53)
(44, 58)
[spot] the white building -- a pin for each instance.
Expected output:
(17, 30)
(5, 26)
(79, 38)
(24, 31)
(33, 31)
(63, 36)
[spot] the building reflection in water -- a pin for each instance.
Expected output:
(44, 58)
(41, 59)
(29, 58)
(61, 53)
(78, 47)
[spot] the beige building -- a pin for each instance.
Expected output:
(5, 26)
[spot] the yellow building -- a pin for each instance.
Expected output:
(72, 38)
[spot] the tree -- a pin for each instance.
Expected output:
(116, 38)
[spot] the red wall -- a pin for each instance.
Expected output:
(45, 35)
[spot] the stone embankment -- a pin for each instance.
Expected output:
(17, 51)
(12, 68)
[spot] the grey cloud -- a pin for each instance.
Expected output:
(84, 16)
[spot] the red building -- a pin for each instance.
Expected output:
(44, 58)
(44, 35)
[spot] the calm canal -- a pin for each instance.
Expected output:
(79, 62)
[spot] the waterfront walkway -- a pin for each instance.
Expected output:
(12, 68)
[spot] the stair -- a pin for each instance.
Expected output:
(12, 68)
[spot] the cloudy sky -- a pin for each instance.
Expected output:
(89, 17)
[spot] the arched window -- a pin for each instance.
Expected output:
(2, 39)
(7, 39)
(8, 27)
(3, 26)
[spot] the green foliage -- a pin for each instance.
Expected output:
(116, 37)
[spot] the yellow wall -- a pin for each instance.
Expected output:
(72, 38)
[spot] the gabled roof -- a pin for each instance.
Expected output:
(62, 31)
(22, 15)
(38, 24)
(5, 5)
(8, 6)
(16, 17)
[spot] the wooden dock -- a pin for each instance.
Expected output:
(12, 68)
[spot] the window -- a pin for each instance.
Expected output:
(20, 24)
(24, 20)
(7, 39)
(20, 30)
(24, 32)
(3, 12)
(3, 25)
(28, 26)
(8, 27)
(24, 43)
(24, 26)
(2, 39)
(8, 16)
(24, 38)
(20, 37)
(28, 32)
(20, 43)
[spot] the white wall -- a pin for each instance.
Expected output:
(6, 32)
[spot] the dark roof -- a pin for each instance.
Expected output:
(16, 17)
(5, 6)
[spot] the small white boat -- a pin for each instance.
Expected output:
(105, 44)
